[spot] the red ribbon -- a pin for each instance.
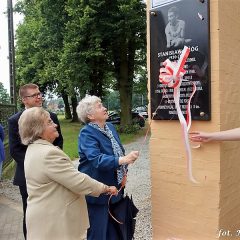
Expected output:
(172, 76)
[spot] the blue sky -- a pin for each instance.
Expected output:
(4, 41)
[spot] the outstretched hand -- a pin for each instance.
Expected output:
(200, 136)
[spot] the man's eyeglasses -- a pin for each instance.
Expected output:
(35, 95)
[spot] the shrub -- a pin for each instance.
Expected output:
(128, 129)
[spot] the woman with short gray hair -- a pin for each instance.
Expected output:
(102, 157)
(86, 106)
(56, 190)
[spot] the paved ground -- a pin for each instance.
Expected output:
(10, 219)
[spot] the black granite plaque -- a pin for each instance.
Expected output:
(173, 25)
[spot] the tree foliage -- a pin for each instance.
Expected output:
(83, 46)
(39, 42)
(4, 96)
(128, 46)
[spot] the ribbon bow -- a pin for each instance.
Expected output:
(172, 76)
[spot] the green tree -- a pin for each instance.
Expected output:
(29, 58)
(127, 21)
(106, 41)
(85, 48)
(39, 47)
(82, 46)
(4, 96)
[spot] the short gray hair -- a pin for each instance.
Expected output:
(86, 107)
(31, 124)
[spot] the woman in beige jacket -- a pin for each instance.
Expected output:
(56, 190)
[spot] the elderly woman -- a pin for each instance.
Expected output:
(56, 190)
(102, 158)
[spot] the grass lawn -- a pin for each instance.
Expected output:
(71, 130)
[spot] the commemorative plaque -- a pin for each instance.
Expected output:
(173, 25)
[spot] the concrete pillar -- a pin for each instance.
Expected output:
(211, 209)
